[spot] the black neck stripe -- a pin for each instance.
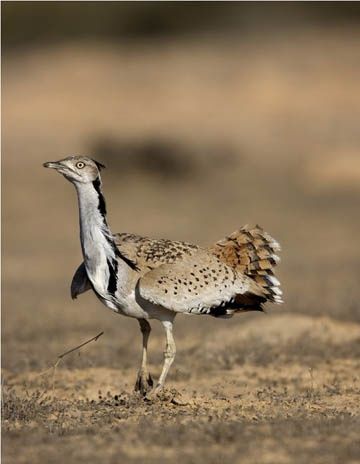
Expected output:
(101, 206)
(118, 253)
(113, 268)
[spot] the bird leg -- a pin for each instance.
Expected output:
(169, 355)
(144, 382)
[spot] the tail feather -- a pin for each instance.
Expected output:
(252, 252)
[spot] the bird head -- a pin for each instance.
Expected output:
(77, 169)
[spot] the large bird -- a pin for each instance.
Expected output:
(157, 279)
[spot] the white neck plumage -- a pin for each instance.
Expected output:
(101, 257)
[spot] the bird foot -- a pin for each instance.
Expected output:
(155, 394)
(144, 383)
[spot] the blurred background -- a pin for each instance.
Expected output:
(208, 116)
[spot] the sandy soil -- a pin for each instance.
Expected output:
(221, 403)
(262, 131)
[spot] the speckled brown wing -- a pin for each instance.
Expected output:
(143, 252)
(252, 252)
(199, 284)
(148, 254)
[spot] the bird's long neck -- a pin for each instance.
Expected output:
(97, 242)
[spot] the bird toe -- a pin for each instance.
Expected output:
(144, 383)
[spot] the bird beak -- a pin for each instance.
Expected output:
(53, 165)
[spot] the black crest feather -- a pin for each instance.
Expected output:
(100, 166)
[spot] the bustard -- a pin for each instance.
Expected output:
(157, 279)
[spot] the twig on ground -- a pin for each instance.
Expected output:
(62, 355)
(80, 346)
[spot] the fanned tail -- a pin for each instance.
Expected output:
(253, 252)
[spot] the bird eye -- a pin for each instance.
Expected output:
(80, 165)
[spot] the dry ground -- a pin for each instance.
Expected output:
(260, 131)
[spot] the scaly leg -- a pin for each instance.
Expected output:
(169, 354)
(144, 381)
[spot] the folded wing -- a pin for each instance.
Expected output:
(200, 284)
